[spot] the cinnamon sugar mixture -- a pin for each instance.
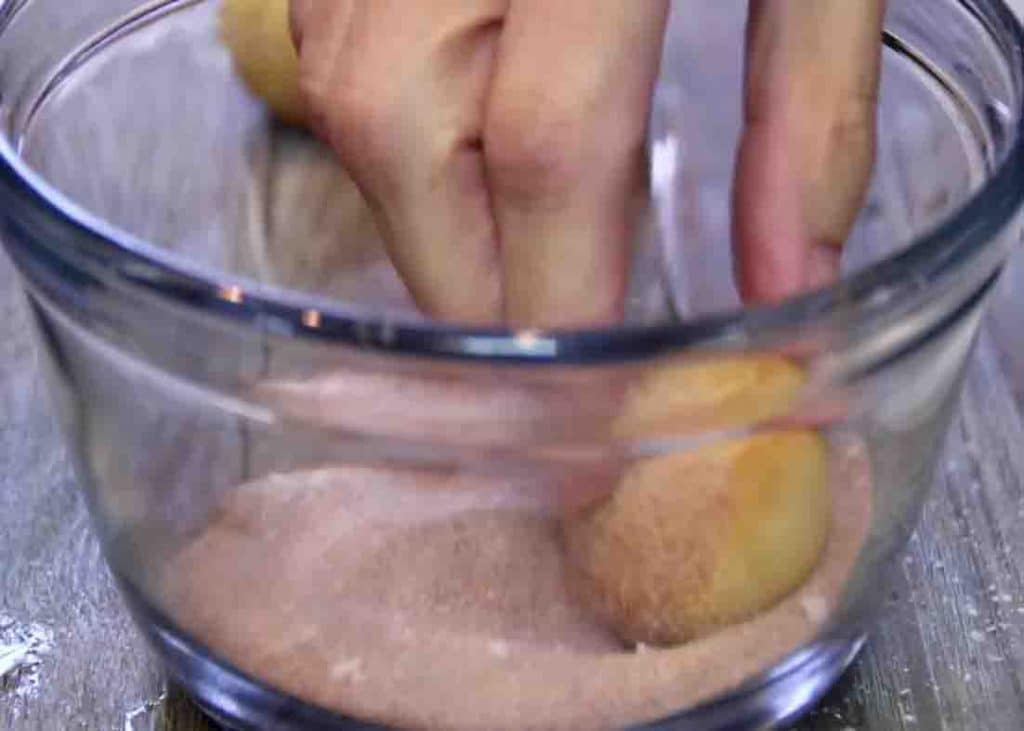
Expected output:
(431, 600)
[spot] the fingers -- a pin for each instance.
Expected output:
(808, 150)
(398, 89)
(564, 140)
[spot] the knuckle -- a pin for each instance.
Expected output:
(537, 153)
(354, 112)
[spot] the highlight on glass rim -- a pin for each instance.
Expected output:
(511, 364)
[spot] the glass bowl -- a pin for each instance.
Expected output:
(326, 511)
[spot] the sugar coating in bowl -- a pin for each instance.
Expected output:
(444, 600)
(453, 598)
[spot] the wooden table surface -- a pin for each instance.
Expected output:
(948, 655)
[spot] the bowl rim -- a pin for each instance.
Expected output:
(129, 261)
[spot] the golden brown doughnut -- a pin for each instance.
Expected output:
(257, 33)
(692, 543)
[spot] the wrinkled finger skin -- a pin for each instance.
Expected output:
(808, 149)
(398, 89)
(500, 143)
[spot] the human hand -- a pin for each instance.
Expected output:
(501, 142)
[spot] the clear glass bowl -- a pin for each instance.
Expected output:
(322, 507)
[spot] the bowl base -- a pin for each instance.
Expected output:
(240, 703)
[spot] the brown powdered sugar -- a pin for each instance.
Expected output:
(441, 600)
